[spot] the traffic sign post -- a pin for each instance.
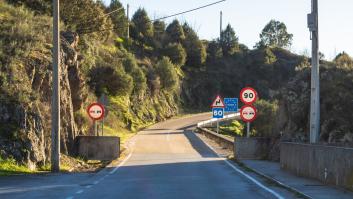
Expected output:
(248, 114)
(218, 102)
(218, 109)
(218, 113)
(95, 112)
(104, 100)
(248, 95)
(231, 105)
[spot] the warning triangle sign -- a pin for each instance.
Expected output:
(218, 102)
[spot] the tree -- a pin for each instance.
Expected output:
(118, 17)
(142, 28)
(176, 53)
(139, 77)
(195, 50)
(115, 82)
(158, 29)
(214, 51)
(84, 16)
(158, 34)
(175, 32)
(343, 60)
(264, 124)
(229, 41)
(275, 34)
(167, 73)
(38, 6)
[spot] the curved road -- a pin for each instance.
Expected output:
(166, 160)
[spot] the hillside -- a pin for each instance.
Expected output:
(160, 70)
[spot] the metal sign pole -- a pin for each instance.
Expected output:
(248, 129)
(217, 126)
(102, 126)
(95, 127)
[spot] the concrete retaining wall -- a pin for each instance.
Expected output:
(243, 148)
(251, 148)
(222, 140)
(331, 165)
(98, 148)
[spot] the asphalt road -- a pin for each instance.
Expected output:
(166, 160)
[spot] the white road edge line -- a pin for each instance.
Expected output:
(247, 176)
(121, 164)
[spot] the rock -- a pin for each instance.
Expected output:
(26, 124)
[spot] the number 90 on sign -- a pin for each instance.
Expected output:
(248, 95)
(218, 113)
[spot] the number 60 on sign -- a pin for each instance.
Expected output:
(218, 113)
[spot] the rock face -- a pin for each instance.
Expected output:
(26, 126)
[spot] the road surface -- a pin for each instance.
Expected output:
(166, 160)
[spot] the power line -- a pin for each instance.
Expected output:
(180, 13)
(113, 11)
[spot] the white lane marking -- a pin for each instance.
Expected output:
(254, 181)
(88, 186)
(247, 176)
(121, 164)
(168, 133)
(112, 172)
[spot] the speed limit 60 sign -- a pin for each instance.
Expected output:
(248, 95)
(218, 113)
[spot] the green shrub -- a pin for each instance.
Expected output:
(176, 53)
(111, 81)
(266, 118)
(167, 73)
(10, 166)
(235, 128)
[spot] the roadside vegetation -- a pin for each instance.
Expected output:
(156, 73)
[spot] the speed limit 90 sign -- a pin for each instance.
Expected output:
(248, 95)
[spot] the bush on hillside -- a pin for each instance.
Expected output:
(111, 81)
(167, 73)
(266, 118)
(176, 53)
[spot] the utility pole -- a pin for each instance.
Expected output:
(313, 24)
(55, 107)
(220, 27)
(128, 22)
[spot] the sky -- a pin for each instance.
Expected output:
(248, 18)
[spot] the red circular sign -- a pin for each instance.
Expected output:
(248, 95)
(95, 111)
(248, 113)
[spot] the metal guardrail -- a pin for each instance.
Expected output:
(225, 118)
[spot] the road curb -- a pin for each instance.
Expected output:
(273, 180)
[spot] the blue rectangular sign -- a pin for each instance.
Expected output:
(218, 113)
(231, 104)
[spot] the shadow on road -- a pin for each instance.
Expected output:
(199, 145)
